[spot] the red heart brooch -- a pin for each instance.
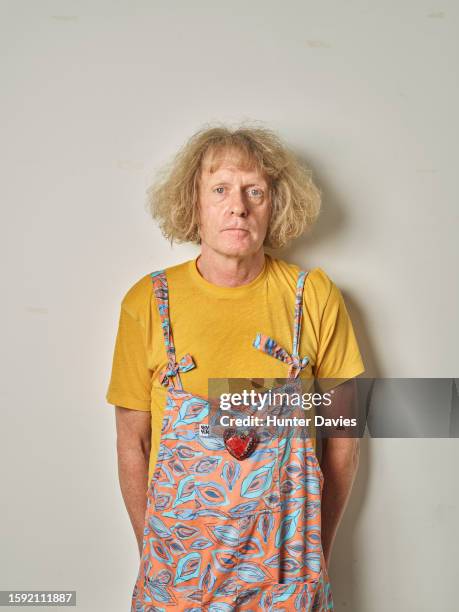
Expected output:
(240, 445)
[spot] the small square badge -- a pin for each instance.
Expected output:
(203, 430)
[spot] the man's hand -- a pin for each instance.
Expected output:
(133, 445)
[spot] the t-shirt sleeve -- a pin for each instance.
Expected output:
(338, 354)
(130, 382)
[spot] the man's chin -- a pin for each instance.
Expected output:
(234, 248)
(237, 250)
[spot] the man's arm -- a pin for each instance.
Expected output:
(133, 444)
(339, 466)
(339, 463)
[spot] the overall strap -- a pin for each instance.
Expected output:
(298, 363)
(171, 371)
(298, 312)
(271, 347)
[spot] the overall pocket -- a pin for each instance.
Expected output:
(303, 596)
(238, 488)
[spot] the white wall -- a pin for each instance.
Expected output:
(97, 95)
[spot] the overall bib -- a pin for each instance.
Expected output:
(229, 535)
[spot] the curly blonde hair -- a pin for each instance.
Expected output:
(295, 200)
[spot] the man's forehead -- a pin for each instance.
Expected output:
(229, 166)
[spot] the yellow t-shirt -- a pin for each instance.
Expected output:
(217, 326)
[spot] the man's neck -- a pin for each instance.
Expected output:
(229, 271)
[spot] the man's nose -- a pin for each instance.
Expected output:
(238, 204)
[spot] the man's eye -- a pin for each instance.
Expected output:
(217, 190)
(256, 193)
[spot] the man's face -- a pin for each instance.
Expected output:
(234, 208)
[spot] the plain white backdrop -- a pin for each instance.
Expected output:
(97, 96)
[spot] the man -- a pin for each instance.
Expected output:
(232, 192)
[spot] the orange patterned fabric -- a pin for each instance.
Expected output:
(223, 535)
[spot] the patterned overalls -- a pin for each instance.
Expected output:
(223, 535)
